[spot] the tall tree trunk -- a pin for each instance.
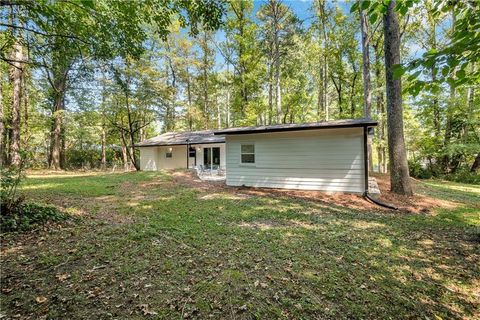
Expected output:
(367, 91)
(278, 92)
(227, 111)
(320, 98)
(436, 107)
(103, 132)
(26, 104)
(338, 88)
(399, 176)
(367, 87)
(219, 115)
(381, 150)
(189, 99)
(131, 131)
(104, 148)
(323, 18)
(2, 128)
(205, 80)
(16, 72)
(124, 154)
(352, 95)
(57, 145)
(270, 88)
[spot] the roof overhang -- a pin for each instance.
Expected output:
(181, 139)
(350, 123)
(176, 144)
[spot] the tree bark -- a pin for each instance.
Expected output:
(323, 18)
(381, 151)
(57, 144)
(367, 92)
(320, 98)
(16, 73)
(189, 99)
(26, 103)
(124, 154)
(104, 148)
(367, 87)
(2, 128)
(399, 175)
(104, 134)
(131, 132)
(270, 86)
(476, 164)
(205, 79)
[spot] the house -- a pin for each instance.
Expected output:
(327, 156)
(176, 150)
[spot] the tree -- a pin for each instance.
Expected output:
(322, 24)
(279, 27)
(367, 94)
(16, 73)
(399, 175)
(245, 56)
(456, 57)
(62, 35)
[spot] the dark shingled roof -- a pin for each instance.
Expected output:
(347, 123)
(180, 138)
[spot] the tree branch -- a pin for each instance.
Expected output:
(43, 33)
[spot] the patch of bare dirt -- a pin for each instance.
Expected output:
(113, 218)
(190, 179)
(413, 204)
(416, 204)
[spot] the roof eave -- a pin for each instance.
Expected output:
(175, 144)
(268, 130)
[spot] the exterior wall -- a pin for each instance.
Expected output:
(178, 159)
(328, 160)
(154, 158)
(149, 159)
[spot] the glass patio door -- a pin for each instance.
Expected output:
(211, 157)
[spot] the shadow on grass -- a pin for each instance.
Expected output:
(188, 253)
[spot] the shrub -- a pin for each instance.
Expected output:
(11, 177)
(418, 171)
(15, 214)
(464, 175)
(26, 216)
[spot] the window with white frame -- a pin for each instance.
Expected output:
(247, 153)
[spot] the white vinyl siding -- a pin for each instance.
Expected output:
(327, 159)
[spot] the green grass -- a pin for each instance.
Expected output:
(147, 244)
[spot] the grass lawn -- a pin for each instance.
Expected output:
(144, 245)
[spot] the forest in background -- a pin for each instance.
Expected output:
(82, 81)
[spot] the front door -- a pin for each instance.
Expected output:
(211, 157)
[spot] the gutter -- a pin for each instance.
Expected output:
(292, 128)
(366, 195)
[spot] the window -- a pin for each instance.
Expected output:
(248, 153)
(168, 154)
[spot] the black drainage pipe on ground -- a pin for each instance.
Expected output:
(365, 168)
(378, 202)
